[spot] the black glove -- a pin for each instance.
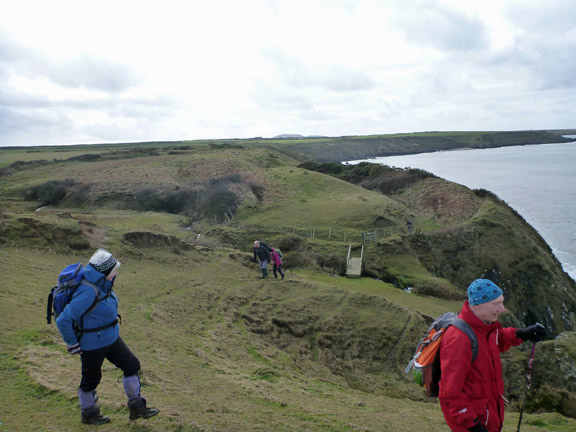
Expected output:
(478, 427)
(535, 333)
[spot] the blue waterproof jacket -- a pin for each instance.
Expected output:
(102, 315)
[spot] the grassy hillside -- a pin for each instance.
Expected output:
(224, 351)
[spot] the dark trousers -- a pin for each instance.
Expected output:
(279, 270)
(118, 354)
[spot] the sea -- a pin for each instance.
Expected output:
(538, 181)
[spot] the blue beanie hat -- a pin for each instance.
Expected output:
(482, 291)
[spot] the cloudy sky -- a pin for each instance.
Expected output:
(119, 71)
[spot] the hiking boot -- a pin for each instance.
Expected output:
(95, 418)
(138, 409)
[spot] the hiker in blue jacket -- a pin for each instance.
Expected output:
(95, 336)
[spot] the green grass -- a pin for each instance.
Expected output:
(180, 312)
(221, 349)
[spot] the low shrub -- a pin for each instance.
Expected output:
(217, 200)
(387, 180)
(55, 192)
(211, 199)
(550, 399)
(298, 259)
(290, 243)
(332, 263)
(438, 289)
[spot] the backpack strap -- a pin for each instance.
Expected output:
(97, 329)
(465, 328)
(49, 304)
(97, 299)
(79, 329)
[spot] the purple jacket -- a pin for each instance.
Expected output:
(275, 258)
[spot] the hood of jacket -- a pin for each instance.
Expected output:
(94, 276)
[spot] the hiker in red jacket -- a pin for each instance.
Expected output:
(472, 393)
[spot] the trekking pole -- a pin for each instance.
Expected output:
(528, 381)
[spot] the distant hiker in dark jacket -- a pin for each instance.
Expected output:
(262, 257)
(101, 340)
(472, 392)
(276, 263)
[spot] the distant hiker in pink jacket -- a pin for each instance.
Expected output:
(276, 256)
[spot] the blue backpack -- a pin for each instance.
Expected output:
(61, 294)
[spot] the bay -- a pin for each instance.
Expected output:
(538, 181)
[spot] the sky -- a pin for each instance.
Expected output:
(79, 72)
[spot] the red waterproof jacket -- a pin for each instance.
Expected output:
(474, 390)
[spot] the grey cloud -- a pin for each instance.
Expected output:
(341, 79)
(10, 51)
(14, 57)
(14, 122)
(552, 61)
(556, 16)
(537, 61)
(81, 71)
(547, 45)
(329, 77)
(440, 27)
(10, 98)
(92, 73)
(280, 100)
(115, 132)
(21, 112)
(316, 115)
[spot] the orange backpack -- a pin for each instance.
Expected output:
(425, 364)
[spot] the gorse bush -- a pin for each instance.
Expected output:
(232, 178)
(394, 180)
(217, 200)
(332, 168)
(181, 201)
(332, 263)
(291, 242)
(387, 180)
(211, 199)
(20, 165)
(298, 259)
(55, 192)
